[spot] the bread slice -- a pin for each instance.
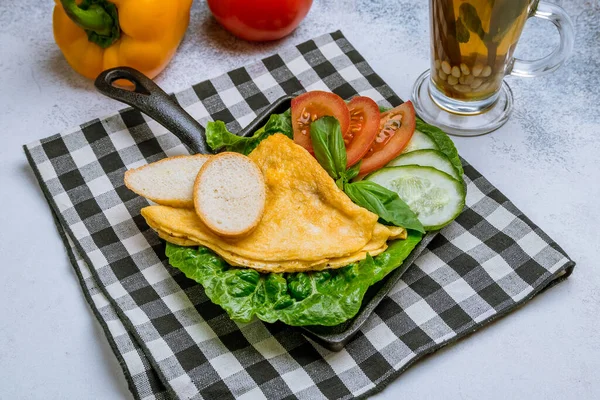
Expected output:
(230, 194)
(168, 182)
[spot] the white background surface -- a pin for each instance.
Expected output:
(545, 160)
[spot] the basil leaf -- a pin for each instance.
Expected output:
(328, 145)
(337, 146)
(443, 142)
(327, 297)
(218, 137)
(352, 172)
(383, 202)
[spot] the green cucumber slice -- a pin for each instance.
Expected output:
(419, 141)
(426, 158)
(436, 197)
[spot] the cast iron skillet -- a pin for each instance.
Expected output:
(154, 102)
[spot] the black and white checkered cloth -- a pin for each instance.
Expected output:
(172, 342)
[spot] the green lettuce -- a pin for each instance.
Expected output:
(443, 142)
(327, 297)
(218, 137)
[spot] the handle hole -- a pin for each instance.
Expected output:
(129, 85)
(124, 84)
(124, 80)
(538, 40)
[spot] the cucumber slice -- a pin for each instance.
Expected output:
(419, 141)
(436, 197)
(426, 158)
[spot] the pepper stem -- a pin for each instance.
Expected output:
(98, 18)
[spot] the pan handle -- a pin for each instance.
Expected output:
(149, 98)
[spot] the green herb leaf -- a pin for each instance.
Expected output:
(383, 202)
(443, 142)
(328, 145)
(337, 146)
(468, 14)
(327, 297)
(353, 171)
(330, 150)
(462, 33)
(218, 137)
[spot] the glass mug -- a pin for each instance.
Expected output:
(472, 46)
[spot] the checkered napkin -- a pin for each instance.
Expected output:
(172, 342)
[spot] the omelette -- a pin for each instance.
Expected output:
(308, 222)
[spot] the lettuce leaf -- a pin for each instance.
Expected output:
(443, 142)
(327, 297)
(218, 137)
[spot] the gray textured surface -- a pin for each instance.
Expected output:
(544, 159)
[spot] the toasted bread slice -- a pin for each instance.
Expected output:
(168, 182)
(230, 194)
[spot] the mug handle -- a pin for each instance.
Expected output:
(554, 60)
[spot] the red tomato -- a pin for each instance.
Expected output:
(311, 106)
(395, 130)
(364, 126)
(259, 20)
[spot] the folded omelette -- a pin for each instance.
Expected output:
(308, 222)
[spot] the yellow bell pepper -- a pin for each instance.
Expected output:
(95, 35)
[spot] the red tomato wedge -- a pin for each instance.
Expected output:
(364, 126)
(396, 127)
(311, 106)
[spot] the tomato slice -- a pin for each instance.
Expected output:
(313, 105)
(396, 127)
(364, 126)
